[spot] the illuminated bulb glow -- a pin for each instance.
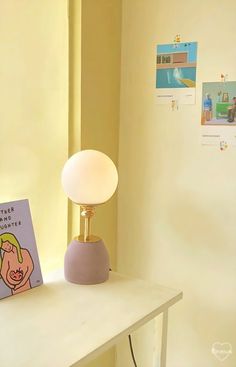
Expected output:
(89, 177)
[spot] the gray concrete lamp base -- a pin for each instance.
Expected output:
(86, 262)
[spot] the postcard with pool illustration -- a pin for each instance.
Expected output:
(19, 262)
(176, 65)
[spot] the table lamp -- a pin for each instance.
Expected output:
(89, 178)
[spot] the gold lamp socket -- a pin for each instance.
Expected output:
(87, 212)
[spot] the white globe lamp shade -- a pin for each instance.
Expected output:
(89, 177)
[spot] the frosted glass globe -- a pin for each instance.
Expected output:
(89, 177)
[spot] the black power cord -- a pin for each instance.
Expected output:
(130, 345)
(132, 351)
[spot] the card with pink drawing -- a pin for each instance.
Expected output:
(19, 262)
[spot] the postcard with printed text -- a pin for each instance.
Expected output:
(19, 261)
(176, 72)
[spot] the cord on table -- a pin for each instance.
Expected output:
(132, 351)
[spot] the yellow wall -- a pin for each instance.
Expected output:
(100, 91)
(98, 60)
(74, 139)
(94, 95)
(34, 127)
(177, 199)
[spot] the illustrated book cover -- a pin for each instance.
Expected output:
(19, 262)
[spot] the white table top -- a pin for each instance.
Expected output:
(60, 323)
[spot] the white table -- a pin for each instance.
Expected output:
(60, 323)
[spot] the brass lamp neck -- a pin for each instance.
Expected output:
(87, 212)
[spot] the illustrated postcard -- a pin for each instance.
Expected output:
(19, 262)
